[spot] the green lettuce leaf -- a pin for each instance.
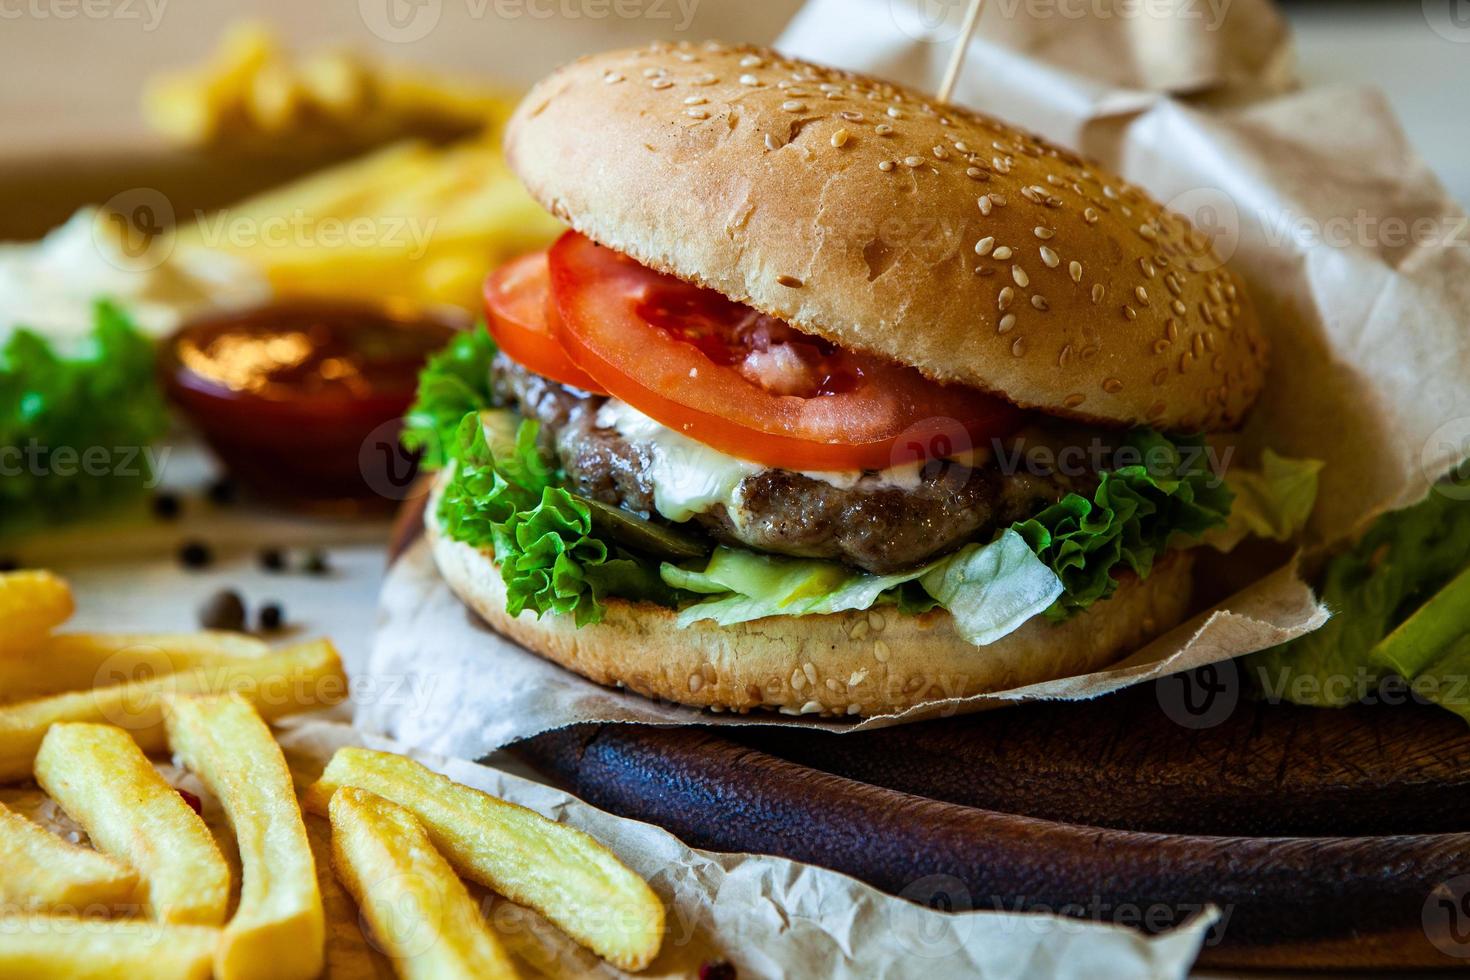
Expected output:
(1129, 519)
(1403, 560)
(455, 382)
(104, 396)
(506, 497)
(1273, 502)
(990, 589)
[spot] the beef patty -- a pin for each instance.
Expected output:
(872, 524)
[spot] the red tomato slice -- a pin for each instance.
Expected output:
(518, 310)
(747, 384)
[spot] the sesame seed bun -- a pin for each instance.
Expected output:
(863, 213)
(847, 664)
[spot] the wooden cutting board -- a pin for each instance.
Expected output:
(1330, 838)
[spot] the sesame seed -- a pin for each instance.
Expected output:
(696, 681)
(612, 78)
(999, 200)
(941, 153)
(1053, 202)
(985, 204)
(1018, 347)
(652, 72)
(885, 165)
(851, 116)
(1142, 295)
(1160, 346)
(771, 143)
(1112, 386)
(793, 106)
(704, 80)
(1019, 275)
(750, 81)
(1173, 284)
(975, 173)
(697, 113)
(686, 57)
(1042, 232)
(1073, 400)
(1171, 330)
(1007, 322)
(882, 129)
(880, 651)
(984, 245)
(1198, 346)
(1003, 253)
(1130, 312)
(695, 100)
(1049, 257)
(1039, 301)
(893, 113)
(960, 145)
(1179, 307)
(913, 161)
(1160, 376)
(1003, 300)
(811, 708)
(840, 137)
(1001, 165)
(1097, 292)
(811, 672)
(790, 282)
(751, 61)
(1148, 232)
(1089, 215)
(1074, 268)
(660, 83)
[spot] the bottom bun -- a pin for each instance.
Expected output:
(874, 662)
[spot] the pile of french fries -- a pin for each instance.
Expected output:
(410, 224)
(253, 94)
(154, 895)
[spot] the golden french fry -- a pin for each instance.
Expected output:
(80, 661)
(279, 929)
(295, 679)
(43, 947)
(104, 782)
(32, 603)
(420, 912)
(559, 871)
(350, 954)
(39, 871)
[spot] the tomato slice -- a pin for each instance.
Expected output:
(518, 310)
(750, 385)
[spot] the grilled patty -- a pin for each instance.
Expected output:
(873, 525)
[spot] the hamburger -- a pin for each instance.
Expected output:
(831, 400)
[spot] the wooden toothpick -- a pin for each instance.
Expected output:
(961, 46)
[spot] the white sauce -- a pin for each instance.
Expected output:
(50, 285)
(690, 478)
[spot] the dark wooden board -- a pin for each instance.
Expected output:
(1322, 833)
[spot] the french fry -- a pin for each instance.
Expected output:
(350, 954)
(32, 603)
(104, 782)
(79, 661)
(279, 929)
(42, 947)
(557, 870)
(295, 679)
(39, 871)
(420, 912)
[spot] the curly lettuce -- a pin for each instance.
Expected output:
(507, 497)
(1394, 571)
(454, 383)
(103, 397)
(1130, 519)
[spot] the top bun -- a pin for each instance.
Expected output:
(861, 212)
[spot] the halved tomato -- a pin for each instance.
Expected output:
(747, 384)
(518, 310)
